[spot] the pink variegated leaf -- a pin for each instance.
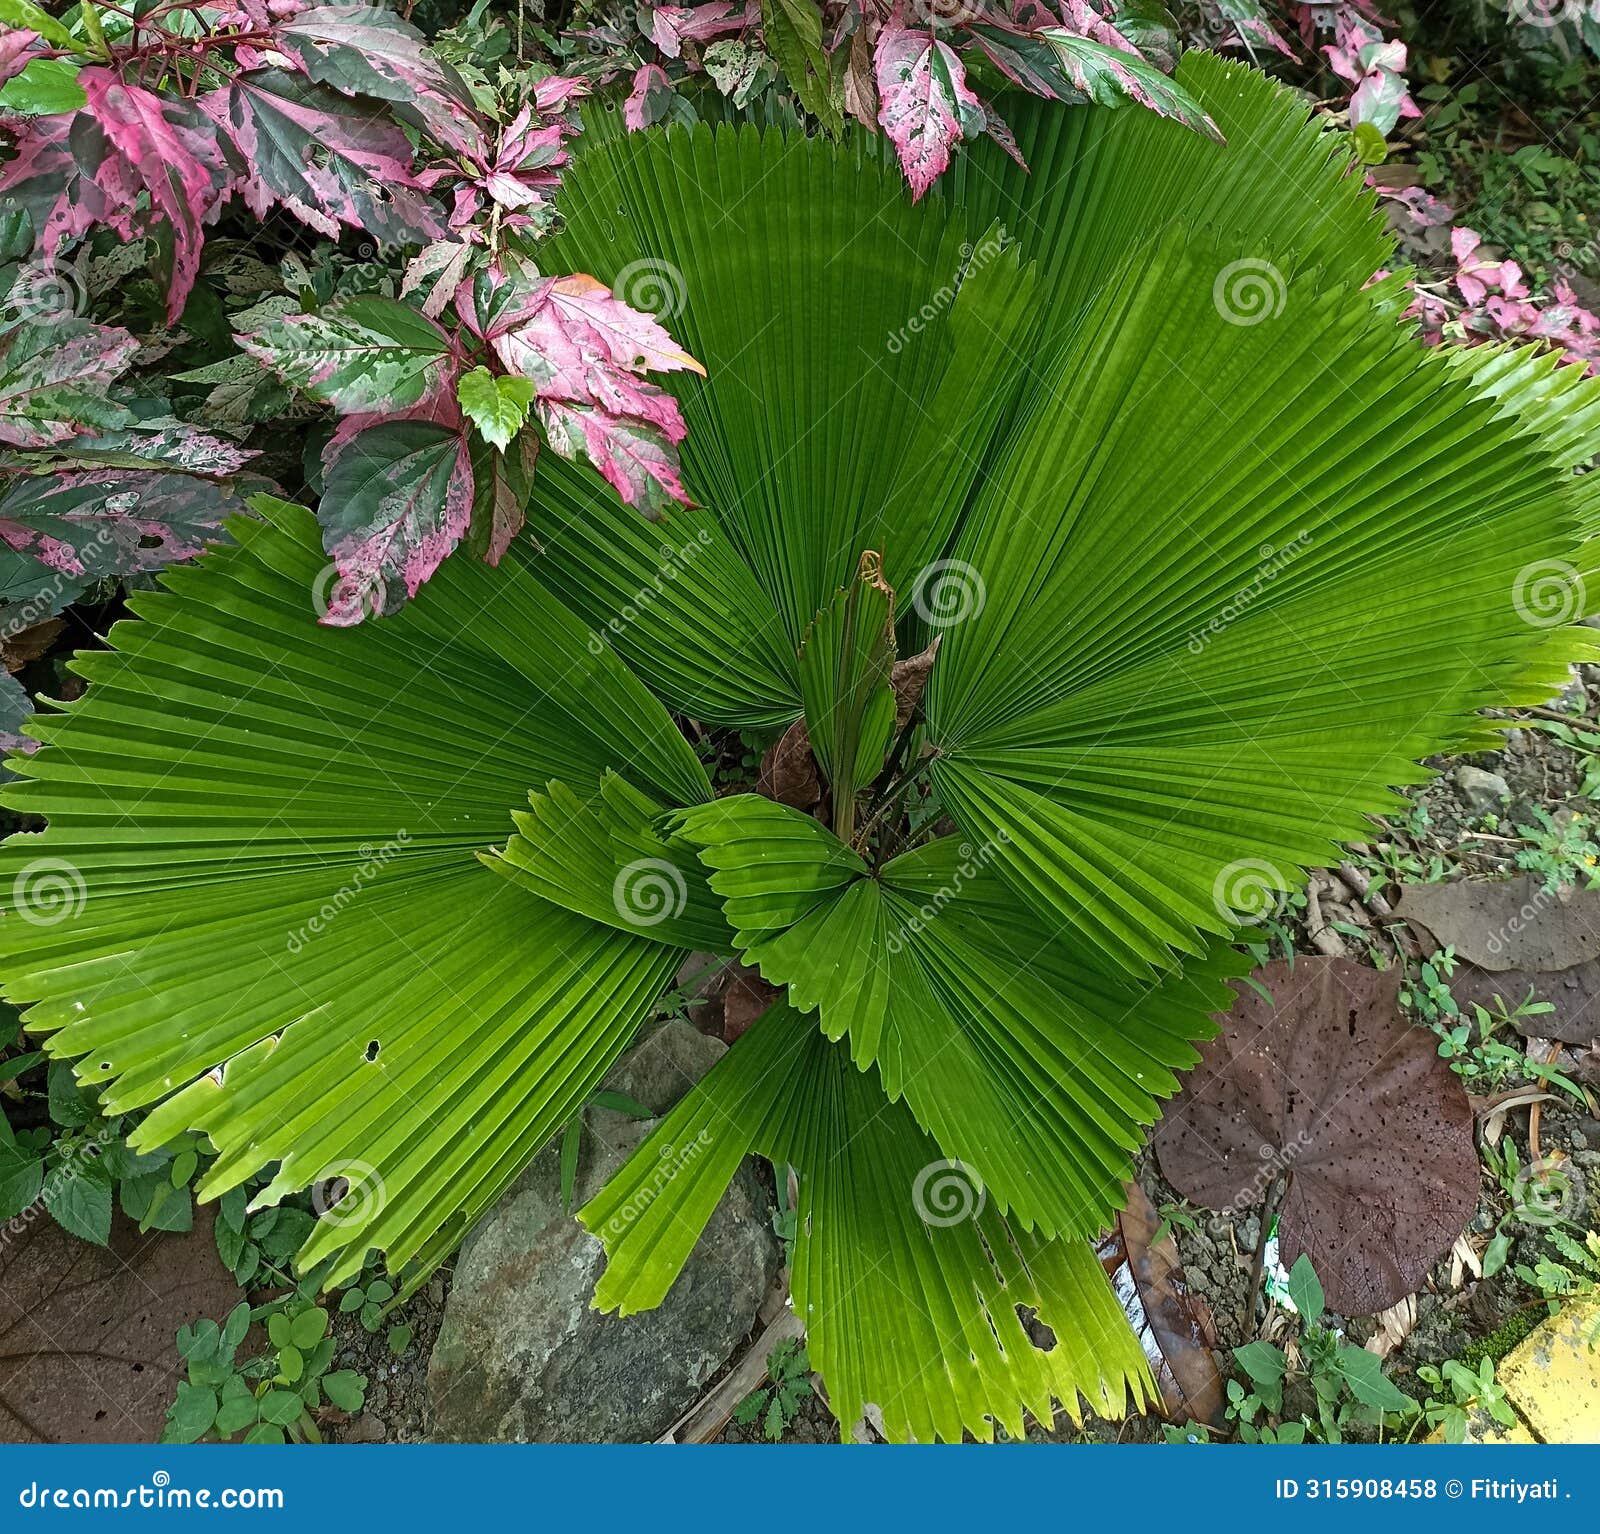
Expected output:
(396, 499)
(16, 709)
(53, 379)
(999, 130)
(145, 445)
(650, 99)
(329, 161)
(439, 268)
(1421, 209)
(365, 355)
(364, 50)
(175, 153)
(638, 461)
(632, 340)
(555, 93)
(51, 175)
(113, 522)
(16, 44)
(925, 104)
(528, 162)
(502, 486)
(670, 26)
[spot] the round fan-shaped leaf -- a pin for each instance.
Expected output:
(1329, 1084)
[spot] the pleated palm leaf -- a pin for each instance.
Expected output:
(1209, 574)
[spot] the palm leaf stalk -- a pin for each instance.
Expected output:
(1215, 552)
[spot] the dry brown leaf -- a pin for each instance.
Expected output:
(1573, 993)
(909, 678)
(1494, 1120)
(88, 1334)
(1330, 1084)
(746, 997)
(1507, 924)
(1173, 1323)
(788, 772)
(16, 650)
(1394, 1325)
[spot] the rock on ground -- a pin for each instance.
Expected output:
(523, 1357)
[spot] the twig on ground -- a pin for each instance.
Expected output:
(1322, 936)
(705, 1420)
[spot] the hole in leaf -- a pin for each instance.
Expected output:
(1040, 1335)
(372, 1050)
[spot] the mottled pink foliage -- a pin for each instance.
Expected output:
(922, 91)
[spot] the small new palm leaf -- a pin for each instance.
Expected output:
(1213, 552)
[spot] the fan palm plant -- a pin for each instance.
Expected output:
(1213, 550)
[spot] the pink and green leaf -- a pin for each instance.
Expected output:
(363, 50)
(638, 460)
(113, 522)
(53, 379)
(170, 150)
(1105, 73)
(925, 104)
(396, 499)
(328, 160)
(363, 356)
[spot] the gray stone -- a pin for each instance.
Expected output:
(522, 1355)
(1482, 790)
(659, 1071)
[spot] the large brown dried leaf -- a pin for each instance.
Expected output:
(1331, 1084)
(1534, 943)
(1505, 924)
(1173, 1323)
(88, 1334)
(1573, 993)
